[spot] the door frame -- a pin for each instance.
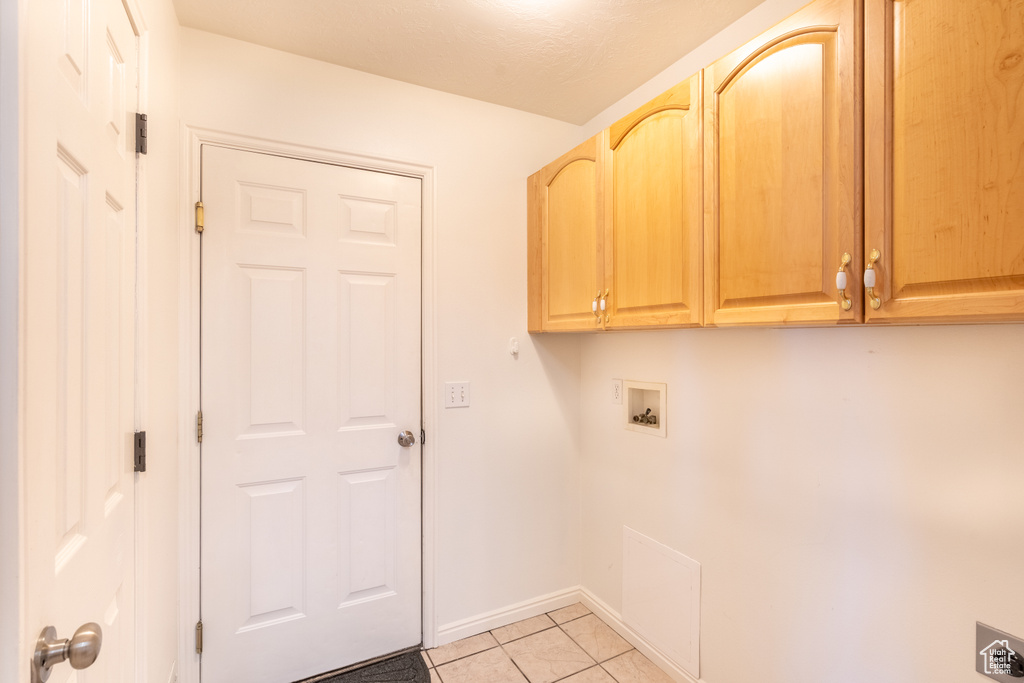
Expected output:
(194, 138)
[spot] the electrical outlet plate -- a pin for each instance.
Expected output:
(617, 392)
(456, 394)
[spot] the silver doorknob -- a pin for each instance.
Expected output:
(406, 439)
(82, 650)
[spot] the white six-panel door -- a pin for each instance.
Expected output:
(79, 317)
(310, 370)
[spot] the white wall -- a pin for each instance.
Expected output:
(507, 516)
(855, 495)
(157, 489)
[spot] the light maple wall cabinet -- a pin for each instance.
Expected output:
(783, 167)
(653, 212)
(565, 225)
(944, 144)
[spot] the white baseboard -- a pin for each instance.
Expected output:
(614, 619)
(465, 628)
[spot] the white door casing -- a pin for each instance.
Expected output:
(310, 369)
(79, 325)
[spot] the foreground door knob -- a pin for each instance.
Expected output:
(406, 439)
(82, 650)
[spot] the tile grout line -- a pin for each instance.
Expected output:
(457, 659)
(509, 655)
(571, 640)
(600, 663)
(491, 632)
(610, 675)
(559, 627)
(514, 663)
(546, 628)
(597, 664)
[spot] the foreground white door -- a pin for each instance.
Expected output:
(310, 370)
(78, 353)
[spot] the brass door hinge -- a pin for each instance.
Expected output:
(199, 217)
(199, 426)
(199, 637)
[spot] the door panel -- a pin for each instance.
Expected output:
(653, 265)
(782, 151)
(79, 346)
(770, 146)
(271, 515)
(366, 534)
(566, 240)
(945, 137)
(311, 368)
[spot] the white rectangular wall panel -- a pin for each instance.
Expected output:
(661, 598)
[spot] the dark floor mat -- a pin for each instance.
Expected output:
(407, 668)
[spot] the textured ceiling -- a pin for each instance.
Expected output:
(567, 59)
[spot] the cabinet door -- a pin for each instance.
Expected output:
(564, 273)
(653, 240)
(944, 183)
(783, 173)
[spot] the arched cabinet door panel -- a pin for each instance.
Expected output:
(944, 139)
(564, 241)
(653, 213)
(782, 174)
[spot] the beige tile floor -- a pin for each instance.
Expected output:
(570, 645)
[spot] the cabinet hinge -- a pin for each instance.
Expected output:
(199, 637)
(141, 133)
(423, 436)
(199, 426)
(199, 217)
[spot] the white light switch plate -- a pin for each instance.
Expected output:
(456, 394)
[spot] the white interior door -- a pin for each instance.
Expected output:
(310, 370)
(79, 320)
